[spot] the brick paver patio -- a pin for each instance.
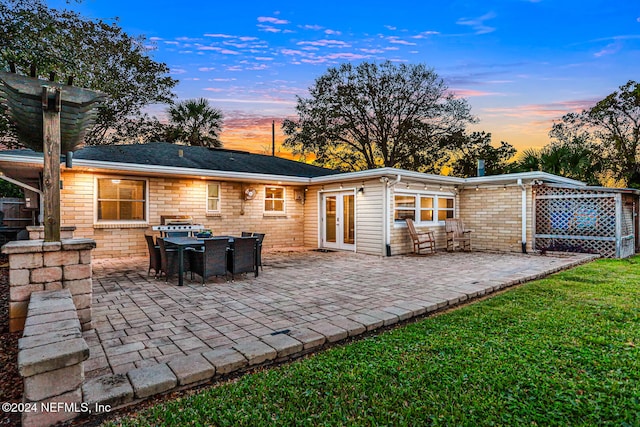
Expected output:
(140, 321)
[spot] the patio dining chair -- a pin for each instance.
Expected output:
(211, 260)
(243, 256)
(424, 240)
(457, 235)
(154, 255)
(170, 260)
(260, 238)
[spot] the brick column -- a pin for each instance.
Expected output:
(35, 265)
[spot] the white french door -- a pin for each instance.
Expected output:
(338, 220)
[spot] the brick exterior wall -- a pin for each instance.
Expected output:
(180, 196)
(495, 215)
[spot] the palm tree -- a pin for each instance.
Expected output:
(529, 160)
(195, 122)
(572, 160)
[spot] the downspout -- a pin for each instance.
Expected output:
(386, 212)
(523, 189)
(28, 187)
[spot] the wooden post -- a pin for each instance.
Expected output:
(51, 103)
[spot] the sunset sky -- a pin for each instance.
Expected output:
(520, 63)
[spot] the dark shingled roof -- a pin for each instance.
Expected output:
(165, 154)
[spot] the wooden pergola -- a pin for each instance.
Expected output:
(52, 118)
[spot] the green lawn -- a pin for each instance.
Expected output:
(559, 351)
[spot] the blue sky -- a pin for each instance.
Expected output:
(520, 63)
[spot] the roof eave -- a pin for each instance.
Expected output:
(524, 176)
(164, 170)
(389, 173)
(200, 173)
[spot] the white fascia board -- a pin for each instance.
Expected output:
(525, 176)
(389, 173)
(174, 171)
(21, 159)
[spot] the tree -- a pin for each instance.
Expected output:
(377, 115)
(613, 126)
(99, 55)
(468, 149)
(138, 130)
(195, 122)
(573, 159)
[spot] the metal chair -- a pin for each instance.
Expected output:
(212, 260)
(243, 256)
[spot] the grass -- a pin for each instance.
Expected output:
(558, 351)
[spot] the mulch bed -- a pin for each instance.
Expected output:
(10, 380)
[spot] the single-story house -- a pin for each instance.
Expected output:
(114, 194)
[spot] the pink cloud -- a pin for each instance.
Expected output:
(224, 36)
(397, 40)
(553, 110)
(325, 43)
(470, 93)
(269, 29)
(272, 20)
(292, 52)
(425, 34)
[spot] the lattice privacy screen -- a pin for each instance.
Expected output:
(583, 220)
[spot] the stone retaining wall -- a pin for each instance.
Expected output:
(35, 265)
(51, 353)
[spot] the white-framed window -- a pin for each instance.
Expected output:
(213, 197)
(121, 199)
(423, 208)
(274, 198)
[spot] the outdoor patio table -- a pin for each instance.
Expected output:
(181, 243)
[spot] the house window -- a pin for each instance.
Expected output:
(423, 208)
(405, 207)
(445, 208)
(426, 208)
(121, 199)
(213, 197)
(274, 200)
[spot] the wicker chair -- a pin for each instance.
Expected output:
(457, 235)
(170, 260)
(421, 241)
(212, 261)
(260, 239)
(154, 255)
(243, 256)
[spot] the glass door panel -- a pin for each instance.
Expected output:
(330, 219)
(348, 220)
(338, 217)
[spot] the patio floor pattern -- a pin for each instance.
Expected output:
(140, 321)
